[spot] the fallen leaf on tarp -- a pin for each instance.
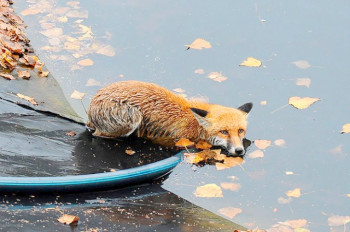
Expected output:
(302, 103)
(129, 152)
(23, 74)
(280, 142)
(337, 220)
(251, 62)
(346, 128)
(216, 76)
(208, 190)
(184, 143)
(230, 186)
(261, 143)
(302, 64)
(77, 95)
(303, 82)
(7, 76)
(230, 212)
(68, 219)
(71, 133)
(203, 145)
(294, 193)
(29, 99)
(86, 62)
(199, 44)
(256, 154)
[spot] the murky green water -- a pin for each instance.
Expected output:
(145, 41)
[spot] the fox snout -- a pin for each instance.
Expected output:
(236, 150)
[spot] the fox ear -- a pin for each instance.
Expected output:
(246, 107)
(200, 116)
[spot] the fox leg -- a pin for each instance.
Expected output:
(114, 119)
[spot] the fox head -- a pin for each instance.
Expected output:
(225, 126)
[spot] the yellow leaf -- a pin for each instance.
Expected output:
(203, 145)
(251, 62)
(29, 99)
(302, 103)
(294, 193)
(77, 95)
(208, 190)
(348, 195)
(230, 212)
(68, 219)
(86, 62)
(199, 44)
(184, 143)
(230, 186)
(256, 154)
(346, 128)
(303, 82)
(301, 230)
(262, 144)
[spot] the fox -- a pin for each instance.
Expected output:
(155, 113)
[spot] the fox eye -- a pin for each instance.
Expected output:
(224, 132)
(240, 131)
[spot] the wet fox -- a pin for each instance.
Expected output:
(158, 114)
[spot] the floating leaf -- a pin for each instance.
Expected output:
(262, 144)
(106, 50)
(294, 193)
(303, 82)
(346, 128)
(129, 152)
(93, 82)
(256, 154)
(302, 103)
(77, 95)
(337, 220)
(297, 223)
(263, 103)
(230, 186)
(301, 230)
(199, 44)
(203, 145)
(208, 190)
(230, 212)
(184, 143)
(31, 11)
(68, 219)
(280, 142)
(302, 64)
(86, 62)
(251, 62)
(29, 99)
(229, 162)
(216, 76)
(53, 32)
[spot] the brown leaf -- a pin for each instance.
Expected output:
(68, 219)
(346, 128)
(77, 95)
(294, 193)
(251, 62)
(29, 99)
(71, 133)
(256, 154)
(262, 144)
(184, 143)
(203, 145)
(23, 74)
(230, 186)
(129, 152)
(230, 212)
(208, 190)
(302, 103)
(86, 62)
(199, 44)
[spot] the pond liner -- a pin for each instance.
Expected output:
(91, 182)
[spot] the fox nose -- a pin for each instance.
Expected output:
(239, 150)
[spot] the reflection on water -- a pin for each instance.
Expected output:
(148, 39)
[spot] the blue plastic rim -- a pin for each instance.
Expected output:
(90, 182)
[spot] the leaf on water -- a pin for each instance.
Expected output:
(283, 201)
(294, 193)
(29, 99)
(216, 76)
(93, 82)
(106, 50)
(7, 76)
(229, 162)
(261, 143)
(31, 11)
(205, 156)
(302, 64)
(184, 143)
(302, 103)
(71, 133)
(230, 186)
(77, 95)
(68, 219)
(129, 152)
(86, 62)
(199, 44)
(303, 82)
(251, 62)
(263, 103)
(301, 230)
(337, 220)
(280, 142)
(78, 14)
(23, 74)
(297, 223)
(346, 128)
(230, 212)
(199, 71)
(203, 145)
(208, 190)
(53, 32)
(256, 154)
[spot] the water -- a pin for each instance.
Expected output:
(148, 40)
